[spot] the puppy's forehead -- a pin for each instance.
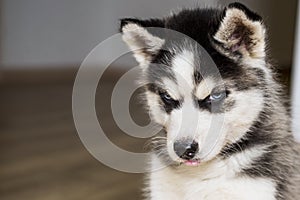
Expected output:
(183, 66)
(183, 69)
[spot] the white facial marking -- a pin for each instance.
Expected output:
(183, 67)
(248, 104)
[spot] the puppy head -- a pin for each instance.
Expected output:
(206, 87)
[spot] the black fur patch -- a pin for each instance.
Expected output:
(144, 23)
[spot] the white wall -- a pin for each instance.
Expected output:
(296, 83)
(62, 32)
(44, 33)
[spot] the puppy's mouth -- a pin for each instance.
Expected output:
(191, 163)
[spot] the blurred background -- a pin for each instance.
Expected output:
(42, 44)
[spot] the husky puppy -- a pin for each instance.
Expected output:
(227, 131)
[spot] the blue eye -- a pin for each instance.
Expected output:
(217, 96)
(166, 96)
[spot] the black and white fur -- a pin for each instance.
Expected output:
(255, 156)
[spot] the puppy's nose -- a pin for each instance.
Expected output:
(186, 149)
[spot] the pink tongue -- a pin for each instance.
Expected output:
(192, 163)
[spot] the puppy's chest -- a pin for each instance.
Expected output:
(233, 189)
(178, 186)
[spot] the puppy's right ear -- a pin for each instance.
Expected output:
(141, 39)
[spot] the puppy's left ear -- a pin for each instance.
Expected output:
(241, 33)
(142, 37)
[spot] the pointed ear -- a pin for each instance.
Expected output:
(141, 40)
(241, 33)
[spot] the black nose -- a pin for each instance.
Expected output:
(186, 149)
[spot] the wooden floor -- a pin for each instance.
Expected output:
(41, 155)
